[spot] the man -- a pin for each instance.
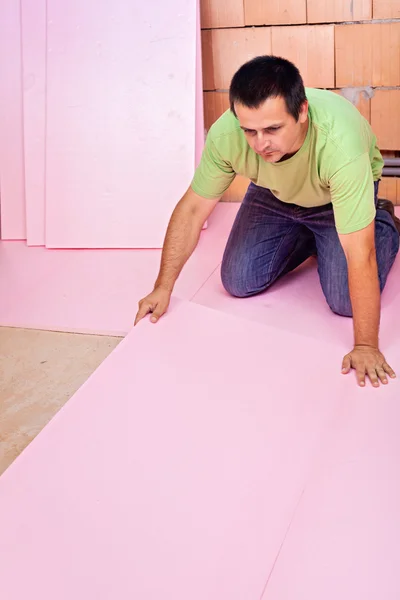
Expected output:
(315, 167)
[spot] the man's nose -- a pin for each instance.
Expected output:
(262, 142)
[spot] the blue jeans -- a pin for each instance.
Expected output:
(270, 238)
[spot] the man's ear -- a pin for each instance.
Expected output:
(303, 112)
(232, 107)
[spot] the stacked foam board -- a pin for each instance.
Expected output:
(98, 119)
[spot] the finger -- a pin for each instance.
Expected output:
(360, 376)
(373, 377)
(144, 308)
(381, 374)
(346, 365)
(389, 370)
(157, 313)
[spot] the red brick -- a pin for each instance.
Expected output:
(389, 189)
(336, 11)
(215, 104)
(311, 49)
(225, 50)
(385, 118)
(386, 9)
(367, 54)
(284, 12)
(221, 13)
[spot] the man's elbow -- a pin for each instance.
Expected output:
(359, 247)
(364, 258)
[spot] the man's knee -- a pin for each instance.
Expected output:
(340, 304)
(239, 280)
(234, 283)
(342, 311)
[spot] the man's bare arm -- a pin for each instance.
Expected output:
(365, 358)
(181, 239)
(182, 236)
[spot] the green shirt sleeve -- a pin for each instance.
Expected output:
(352, 193)
(213, 175)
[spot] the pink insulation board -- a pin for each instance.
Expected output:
(96, 291)
(121, 99)
(34, 34)
(344, 538)
(12, 176)
(175, 470)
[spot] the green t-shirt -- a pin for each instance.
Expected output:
(338, 162)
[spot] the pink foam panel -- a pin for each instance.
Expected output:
(34, 31)
(120, 120)
(176, 469)
(200, 133)
(296, 303)
(96, 291)
(344, 538)
(12, 187)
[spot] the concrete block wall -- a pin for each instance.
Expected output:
(349, 46)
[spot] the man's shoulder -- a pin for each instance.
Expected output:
(339, 127)
(330, 100)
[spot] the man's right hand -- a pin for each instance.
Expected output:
(156, 303)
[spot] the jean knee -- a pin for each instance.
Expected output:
(232, 282)
(387, 246)
(239, 278)
(340, 305)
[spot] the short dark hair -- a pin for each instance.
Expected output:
(268, 77)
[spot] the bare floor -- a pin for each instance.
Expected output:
(39, 372)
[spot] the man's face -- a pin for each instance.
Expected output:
(270, 130)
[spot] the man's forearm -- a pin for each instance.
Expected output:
(181, 239)
(366, 357)
(365, 300)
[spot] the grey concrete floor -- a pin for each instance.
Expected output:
(39, 372)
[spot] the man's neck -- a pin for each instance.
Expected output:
(302, 138)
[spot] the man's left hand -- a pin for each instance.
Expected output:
(369, 361)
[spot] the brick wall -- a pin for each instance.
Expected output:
(349, 46)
